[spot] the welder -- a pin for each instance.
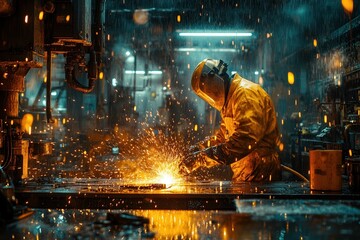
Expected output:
(248, 139)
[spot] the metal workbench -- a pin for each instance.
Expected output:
(75, 208)
(114, 194)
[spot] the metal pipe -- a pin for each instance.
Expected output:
(134, 87)
(48, 88)
(70, 73)
(99, 19)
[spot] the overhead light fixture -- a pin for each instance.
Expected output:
(114, 82)
(205, 50)
(215, 34)
(156, 72)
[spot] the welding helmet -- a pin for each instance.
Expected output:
(211, 82)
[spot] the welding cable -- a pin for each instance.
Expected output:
(299, 175)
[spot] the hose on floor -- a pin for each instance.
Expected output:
(299, 175)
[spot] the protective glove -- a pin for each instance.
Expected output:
(194, 148)
(190, 161)
(216, 153)
(201, 145)
(193, 157)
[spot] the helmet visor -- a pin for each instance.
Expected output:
(211, 87)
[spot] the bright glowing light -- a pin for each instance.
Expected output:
(348, 6)
(141, 16)
(315, 43)
(41, 15)
(26, 122)
(166, 178)
(101, 75)
(26, 18)
(291, 78)
(114, 82)
(281, 147)
(325, 118)
(157, 160)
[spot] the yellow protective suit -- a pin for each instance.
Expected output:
(249, 132)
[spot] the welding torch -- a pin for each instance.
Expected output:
(198, 158)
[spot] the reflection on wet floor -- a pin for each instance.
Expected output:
(254, 219)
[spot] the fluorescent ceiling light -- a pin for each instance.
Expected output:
(205, 50)
(215, 34)
(157, 72)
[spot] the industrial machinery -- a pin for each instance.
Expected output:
(22, 49)
(32, 33)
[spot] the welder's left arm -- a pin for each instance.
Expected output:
(250, 114)
(249, 122)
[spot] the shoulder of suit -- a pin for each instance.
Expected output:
(239, 80)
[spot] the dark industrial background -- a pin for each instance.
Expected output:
(84, 83)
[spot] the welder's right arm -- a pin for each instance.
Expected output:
(211, 141)
(191, 161)
(196, 155)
